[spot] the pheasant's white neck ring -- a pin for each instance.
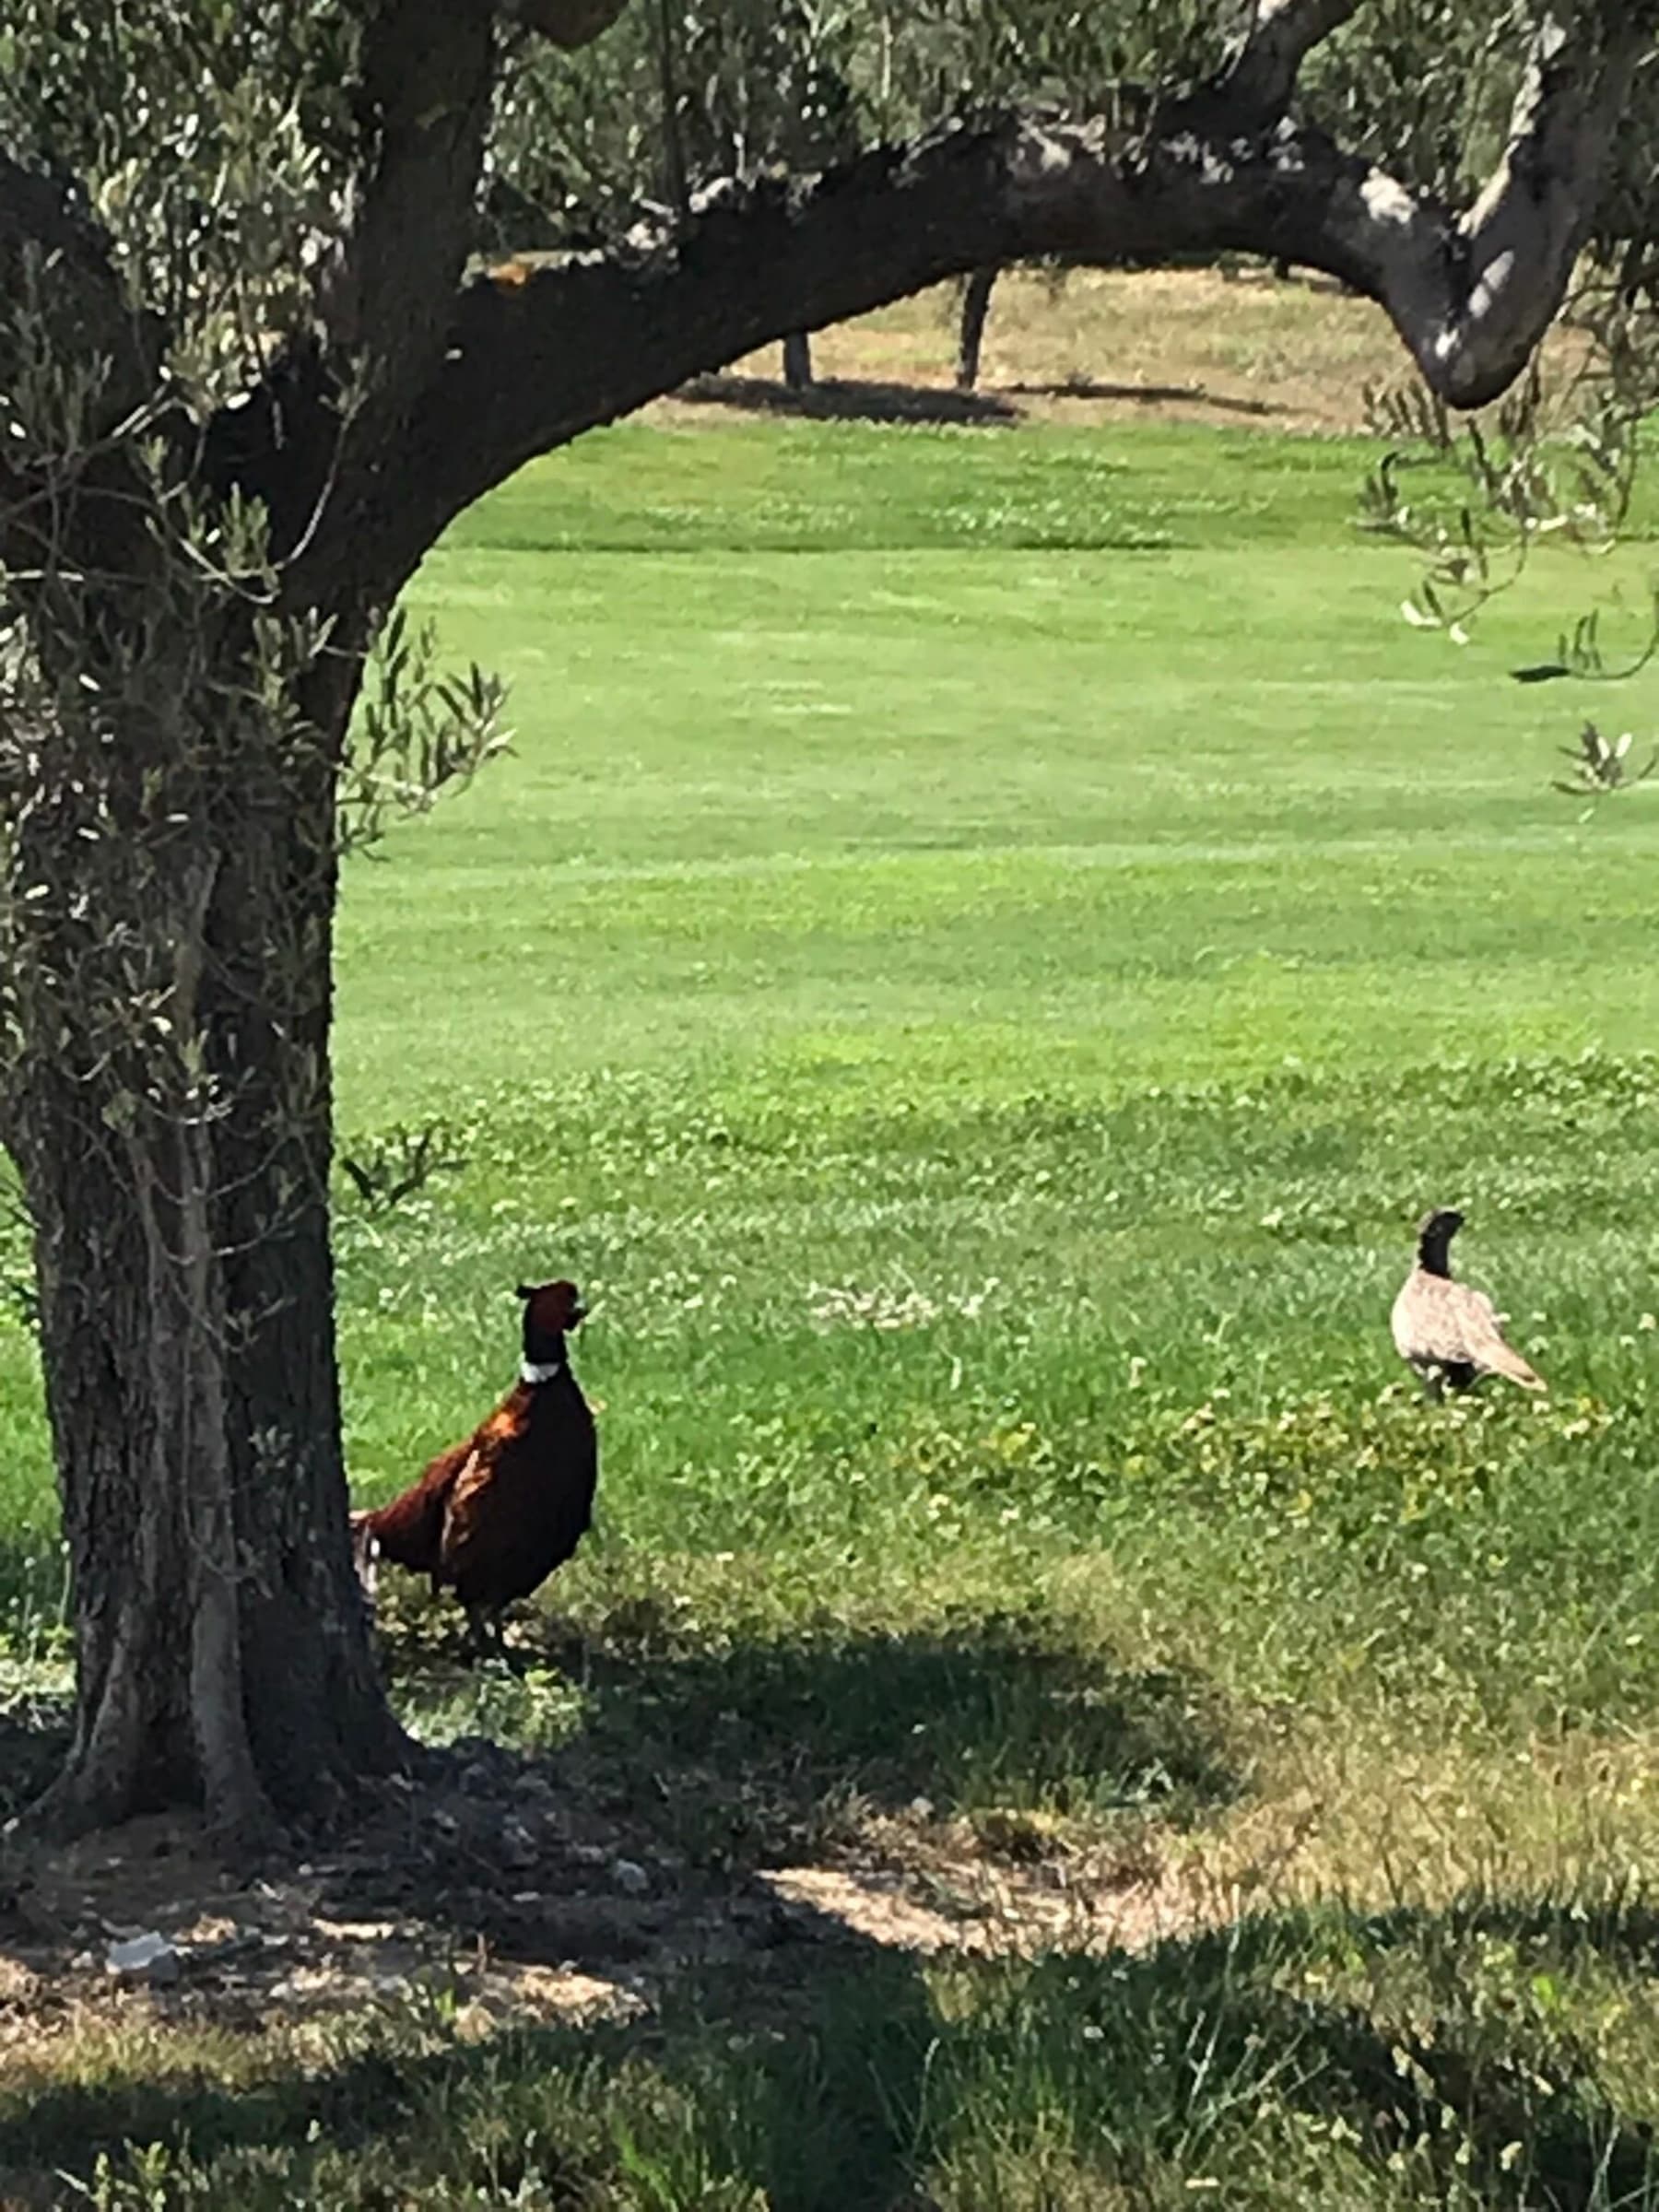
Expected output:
(531, 1371)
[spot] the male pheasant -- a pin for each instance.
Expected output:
(492, 1517)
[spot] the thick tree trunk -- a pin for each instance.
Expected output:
(970, 330)
(223, 1655)
(180, 1201)
(302, 1621)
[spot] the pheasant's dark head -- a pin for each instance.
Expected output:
(1435, 1232)
(551, 1312)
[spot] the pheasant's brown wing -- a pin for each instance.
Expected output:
(520, 1507)
(1491, 1349)
(471, 1529)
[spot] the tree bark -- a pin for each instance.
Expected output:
(302, 1618)
(175, 1162)
(971, 330)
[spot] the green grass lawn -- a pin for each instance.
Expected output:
(984, 943)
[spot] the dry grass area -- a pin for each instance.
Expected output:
(1176, 344)
(1237, 348)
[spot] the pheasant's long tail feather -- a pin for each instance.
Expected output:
(1503, 1360)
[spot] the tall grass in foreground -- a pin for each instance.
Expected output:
(1488, 2057)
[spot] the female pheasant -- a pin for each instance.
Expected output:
(1449, 1331)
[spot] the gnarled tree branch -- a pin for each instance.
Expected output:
(1260, 73)
(537, 355)
(423, 98)
(1521, 238)
(533, 354)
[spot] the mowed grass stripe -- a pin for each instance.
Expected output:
(690, 729)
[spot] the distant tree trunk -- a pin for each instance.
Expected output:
(797, 360)
(173, 1135)
(971, 333)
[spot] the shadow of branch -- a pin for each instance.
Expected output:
(842, 399)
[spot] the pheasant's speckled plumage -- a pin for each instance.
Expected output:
(1448, 1332)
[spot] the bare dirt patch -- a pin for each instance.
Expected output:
(690, 1810)
(481, 1876)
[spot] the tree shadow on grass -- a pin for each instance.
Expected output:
(1275, 2054)
(1461, 2055)
(984, 1715)
(725, 2088)
(733, 1756)
(1200, 2050)
(838, 399)
(1149, 395)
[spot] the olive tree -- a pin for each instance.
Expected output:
(1556, 463)
(251, 366)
